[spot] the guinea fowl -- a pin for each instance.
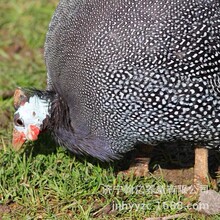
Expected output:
(122, 72)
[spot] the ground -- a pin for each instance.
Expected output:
(46, 181)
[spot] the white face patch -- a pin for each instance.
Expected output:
(32, 112)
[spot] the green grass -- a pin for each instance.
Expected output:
(45, 181)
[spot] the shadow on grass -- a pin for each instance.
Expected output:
(171, 156)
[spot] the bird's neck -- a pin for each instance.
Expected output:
(59, 113)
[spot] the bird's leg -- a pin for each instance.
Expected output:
(139, 165)
(201, 171)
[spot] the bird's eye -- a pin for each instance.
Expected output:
(19, 122)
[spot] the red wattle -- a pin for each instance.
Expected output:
(34, 132)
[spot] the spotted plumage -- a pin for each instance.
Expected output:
(128, 71)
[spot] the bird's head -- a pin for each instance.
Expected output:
(32, 112)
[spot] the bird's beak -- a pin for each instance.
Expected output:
(18, 139)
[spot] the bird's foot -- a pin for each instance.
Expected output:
(138, 168)
(139, 162)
